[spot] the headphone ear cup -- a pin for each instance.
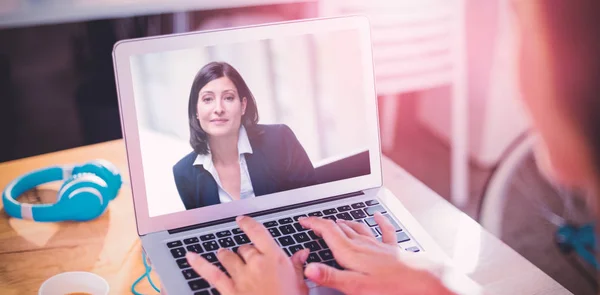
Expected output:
(105, 170)
(81, 197)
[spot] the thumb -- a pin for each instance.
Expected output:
(298, 260)
(348, 282)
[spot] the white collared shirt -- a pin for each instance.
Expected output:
(244, 147)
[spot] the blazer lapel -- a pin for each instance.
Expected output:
(207, 191)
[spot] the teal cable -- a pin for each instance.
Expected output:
(146, 274)
(148, 270)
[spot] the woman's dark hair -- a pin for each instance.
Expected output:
(210, 72)
(574, 28)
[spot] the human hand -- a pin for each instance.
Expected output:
(371, 267)
(262, 268)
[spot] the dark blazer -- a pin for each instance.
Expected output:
(277, 163)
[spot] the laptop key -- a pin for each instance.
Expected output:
(286, 220)
(372, 202)
(326, 254)
(207, 237)
(203, 292)
(413, 249)
(270, 223)
(178, 252)
(182, 263)
(376, 232)
(344, 216)
(323, 244)
(301, 238)
(226, 242)
(214, 291)
(235, 249)
(316, 214)
(210, 257)
(298, 217)
(223, 234)
(174, 244)
(210, 245)
(242, 239)
(287, 252)
(358, 214)
(371, 221)
(394, 223)
(198, 284)
(285, 241)
(190, 241)
(330, 217)
(344, 208)
(287, 229)
(189, 274)
(402, 237)
(313, 257)
(312, 235)
(274, 232)
(295, 248)
(329, 211)
(358, 205)
(299, 227)
(237, 231)
(312, 246)
(194, 248)
(371, 210)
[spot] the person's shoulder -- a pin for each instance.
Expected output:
(186, 162)
(272, 136)
(272, 130)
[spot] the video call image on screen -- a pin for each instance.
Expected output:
(242, 120)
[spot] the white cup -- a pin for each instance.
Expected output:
(75, 281)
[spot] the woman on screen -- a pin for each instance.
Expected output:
(234, 157)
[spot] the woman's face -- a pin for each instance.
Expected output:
(219, 108)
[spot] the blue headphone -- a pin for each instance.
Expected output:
(580, 239)
(84, 195)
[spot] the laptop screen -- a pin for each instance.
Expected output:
(243, 120)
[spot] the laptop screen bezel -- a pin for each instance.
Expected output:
(124, 50)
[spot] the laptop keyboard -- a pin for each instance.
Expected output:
(288, 233)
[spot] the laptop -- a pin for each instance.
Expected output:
(297, 99)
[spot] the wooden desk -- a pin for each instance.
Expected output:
(108, 246)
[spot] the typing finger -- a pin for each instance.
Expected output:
(212, 274)
(248, 252)
(348, 282)
(328, 230)
(258, 234)
(232, 263)
(298, 260)
(360, 228)
(388, 232)
(351, 233)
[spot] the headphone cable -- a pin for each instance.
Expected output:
(146, 274)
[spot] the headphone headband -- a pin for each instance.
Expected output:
(98, 178)
(25, 182)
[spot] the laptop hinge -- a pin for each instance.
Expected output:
(264, 212)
